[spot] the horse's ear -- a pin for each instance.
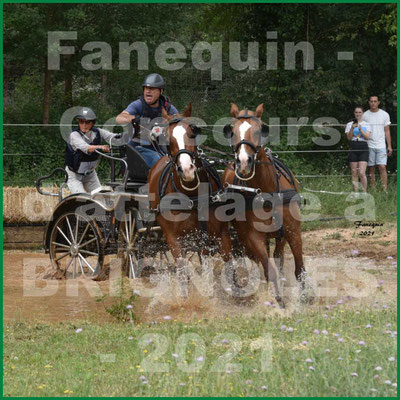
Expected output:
(188, 111)
(234, 110)
(259, 110)
(228, 132)
(264, 130)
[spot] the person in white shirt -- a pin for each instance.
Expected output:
(80, 157)
(380, 130)
(358, 132)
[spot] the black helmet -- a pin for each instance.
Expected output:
(87, 114)
(154, 80)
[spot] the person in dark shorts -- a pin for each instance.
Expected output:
(358, 132)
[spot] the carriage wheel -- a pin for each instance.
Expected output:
(76, 246)
(127, 237)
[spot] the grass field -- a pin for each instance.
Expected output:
(330, 352)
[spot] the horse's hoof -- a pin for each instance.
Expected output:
(280, 302)
(307, 298)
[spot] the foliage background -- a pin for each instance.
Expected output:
(33, 95)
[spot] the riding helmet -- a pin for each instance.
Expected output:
(87, 114)
(154, 80)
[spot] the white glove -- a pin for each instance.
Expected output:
(156, 132)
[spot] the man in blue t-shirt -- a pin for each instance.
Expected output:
(149, 106)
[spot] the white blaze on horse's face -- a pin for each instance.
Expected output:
(243, 155)
(185, 161)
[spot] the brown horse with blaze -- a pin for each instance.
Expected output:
(182, 172)
(278, 218)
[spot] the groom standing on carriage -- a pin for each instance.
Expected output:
(149, 105)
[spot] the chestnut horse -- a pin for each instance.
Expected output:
(254, 168)
(182, 172)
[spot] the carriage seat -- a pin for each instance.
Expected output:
(137, 167)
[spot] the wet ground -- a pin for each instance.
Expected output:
(341, 265)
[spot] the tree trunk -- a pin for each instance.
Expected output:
(68, 91)
(46, 95)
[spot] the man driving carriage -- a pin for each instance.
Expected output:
(149, 105)
(81, 159)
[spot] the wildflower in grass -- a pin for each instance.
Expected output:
(394, 384)
(290, 329)
(325, 316)
(129, 307)
(304, 342)
(283, 328)
(327, 351)
(248, 382)
(388, 382)
(340, 301)
(328, 307)
(200, 359)
(389, 257)
(67, 391)
(354, 374)
(355, 252)
(136, 292)
(378, 368)
(174, 355)
(142, 378)
(373, 390)
(267, 303)
(391, 359)
(389, 325)
(336, 334)
(384, 306)
(324, 332)
(361, 343)
(340, 358)
(145, 382)
(312, 368)
(358, 351)
(340, 340)
(167, 317)
(264, 387)
(79, 330)
(283, 279)
(130, 338)
(255, 370)
(182, 384)
(228, 371)
(388, 332)
(308, 360)
(368, 326)
(316, 331)
(224, 341)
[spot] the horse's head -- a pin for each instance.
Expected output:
(245, 135)
(182, 148)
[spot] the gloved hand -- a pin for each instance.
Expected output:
(136, 120)
(156, 132)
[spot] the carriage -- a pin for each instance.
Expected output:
(84, 228)
(125, 219)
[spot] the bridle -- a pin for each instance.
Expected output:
(262, 132)
(192, 154)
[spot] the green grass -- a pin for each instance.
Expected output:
(378, 206)
(101, 360)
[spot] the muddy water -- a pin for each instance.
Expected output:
(28, 293)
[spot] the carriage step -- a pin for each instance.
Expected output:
(152, 229)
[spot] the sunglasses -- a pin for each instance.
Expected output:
(84, 122)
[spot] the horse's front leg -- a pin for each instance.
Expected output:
(255, 243)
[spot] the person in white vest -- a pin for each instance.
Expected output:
(80, 157)
(379, 121)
